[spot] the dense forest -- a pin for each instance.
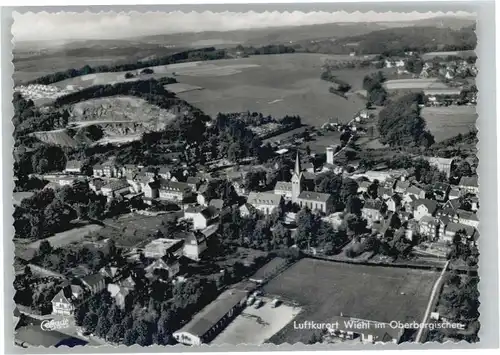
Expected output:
(400, 123)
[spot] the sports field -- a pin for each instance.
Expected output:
(326, 289)
(415, 84)
(447, 122)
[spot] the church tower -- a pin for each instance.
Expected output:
(297, 180)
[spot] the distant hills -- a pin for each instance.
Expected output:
(254, 36)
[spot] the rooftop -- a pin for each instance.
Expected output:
(203, 321)
(264, 198)
(314, 196)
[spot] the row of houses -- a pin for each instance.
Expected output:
(438, 219)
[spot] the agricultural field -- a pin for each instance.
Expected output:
(275, 85)
(414, 84)
(464, 54)
(29, 66)
(446, 122)
(326, 289)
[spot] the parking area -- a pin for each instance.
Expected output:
(256, 325)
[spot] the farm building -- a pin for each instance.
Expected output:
(212, 319)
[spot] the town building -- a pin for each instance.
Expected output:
(284, 189)
(442, 164)
(66, 300)
(114, 188)
(265, 202)
(94, 283)
(373, 211)
(469, 184)
(119, 293)
(173, 191)
(201, 216)
(167, 267)
(212, 319)
(73, 167)
(393, 203)
(316, 201)
(453, 228)
(246, 210)
(424, 207)
(161, 246)
(195, 243)
(468, 218)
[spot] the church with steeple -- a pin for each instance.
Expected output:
(296, 191)
(297, 180)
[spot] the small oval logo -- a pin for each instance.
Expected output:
(54, 324)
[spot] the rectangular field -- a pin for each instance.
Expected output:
(415, 84)
(327, 289)
(464, 54)
(446, 122)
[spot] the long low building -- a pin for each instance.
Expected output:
(206, 324)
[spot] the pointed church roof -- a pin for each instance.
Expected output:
(297, 164)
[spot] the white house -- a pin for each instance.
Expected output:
(424, 207)
(265, 202)
(201, 216)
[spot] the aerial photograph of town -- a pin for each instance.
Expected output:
(244, 178)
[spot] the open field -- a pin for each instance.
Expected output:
(464, 54)
(32, 65)
(326, 289)
(417, 84)
(132, 230)
(275, 85)
(446, 122)
(255, 326)
(68, 237)
(17, 197)
(177, 88)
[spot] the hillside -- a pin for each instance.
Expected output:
(423, 39)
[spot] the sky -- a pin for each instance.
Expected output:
(77, 26)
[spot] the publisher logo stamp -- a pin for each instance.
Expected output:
(54, 324)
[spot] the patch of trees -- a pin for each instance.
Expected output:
(35, 293)
(265, 50)
(28, 118)
(376, 93)
(62, 259)
(147, 71)
(48, 212)
(414, 64)
(400, 123)
(25, 183)
(340, 189)
(313, 232)
(339, 86)
(151, 313)
(459, 302)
